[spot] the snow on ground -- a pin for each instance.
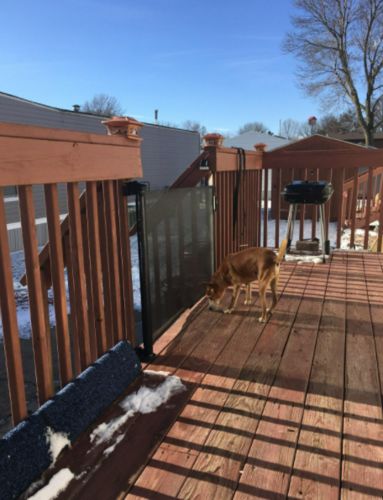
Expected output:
(56, 485)
(21, 292)
(300, 259)
(145, 400)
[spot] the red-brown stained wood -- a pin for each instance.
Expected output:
(92, 214)
(278, 429)
(78, 268)
(316, 471)
(265, 206)
(380, 231)
(261, 174)
(125, 265)
(328, 207)
(125, 256)
(353, 208)
(114, 277)
(223, 450)
(259, 201)
(237, 377)
(58, 282)
(341, 214)
(205, 350)
(363, 423)
(227, 160)
(39, 155)
(42, 354)
(216, 219)
(89, 287)
(368, 207)
(278, 206)
(75, 343)
(120, 269)
(226, 225)
(13, 358)
(44, 296)
(373, 269)
(103, 222)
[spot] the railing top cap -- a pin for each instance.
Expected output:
(213, 139)
(123, 125)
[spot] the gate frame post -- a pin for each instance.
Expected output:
(138, 189)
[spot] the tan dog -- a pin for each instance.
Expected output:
(242, 268)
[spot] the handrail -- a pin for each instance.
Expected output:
(39, 155)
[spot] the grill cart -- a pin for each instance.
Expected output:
(307, 193)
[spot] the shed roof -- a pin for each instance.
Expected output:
(320, 151)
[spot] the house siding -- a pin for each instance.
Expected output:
(166, 152)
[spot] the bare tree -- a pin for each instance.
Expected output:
(291, 129)
(256, 126)
(340, 47)
(338, 124)
(103, 104)
(195, 126)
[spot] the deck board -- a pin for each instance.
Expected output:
(179, 452)
(316, 470)
(362, 471)
(272, 453)
(289, 409)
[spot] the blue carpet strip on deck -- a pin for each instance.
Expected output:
(24, 451)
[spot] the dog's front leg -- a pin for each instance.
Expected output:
(234, 298)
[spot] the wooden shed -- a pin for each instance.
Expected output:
(318, 158)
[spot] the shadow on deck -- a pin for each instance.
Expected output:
(288, 408)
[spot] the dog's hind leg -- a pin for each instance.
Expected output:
(273, 286)
(248, 295)
(268, 278)
(234, 299)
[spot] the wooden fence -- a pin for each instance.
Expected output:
(96, 254)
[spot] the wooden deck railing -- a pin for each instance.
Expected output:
(363, 199)
(96, 254)
(237, 181)
(261, 209)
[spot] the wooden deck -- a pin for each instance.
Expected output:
(290, 408)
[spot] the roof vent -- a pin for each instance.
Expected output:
(76, 108)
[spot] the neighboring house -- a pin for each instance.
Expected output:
(248, 140)
(166, 151)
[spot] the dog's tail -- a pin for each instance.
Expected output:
(282, 251)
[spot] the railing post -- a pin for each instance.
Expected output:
(212, 142)
(129, 128)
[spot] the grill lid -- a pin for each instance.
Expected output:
(309, 192)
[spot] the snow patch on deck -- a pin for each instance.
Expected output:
(145, 400)
(56, 485)
(57, 441)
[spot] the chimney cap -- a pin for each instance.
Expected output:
(76, 108)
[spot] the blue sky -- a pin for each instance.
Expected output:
(216, 62)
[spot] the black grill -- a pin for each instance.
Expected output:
(308, 192)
